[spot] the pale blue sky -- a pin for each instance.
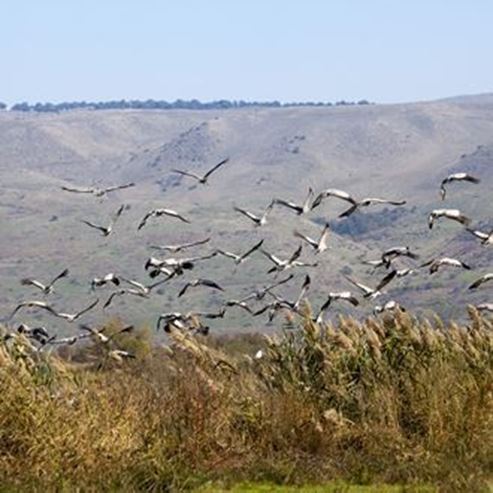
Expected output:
(382, 50)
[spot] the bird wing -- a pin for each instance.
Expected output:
(306, 202)
(186, 173)
(376, 200)
(361, 286)
(64, 273)
(112, 295)
(267, 211)
(87, 308)
(145, 218)
(253, 249)
(118, 187)
(194, 243)
(296, 254)
(117, 214)
(272, 257)
(478, 234)
(210, 284)
(184, 289)
(171, 213)
(251, 216)
(386, 280)
(289, 204)
(349, 211)
(224, 253)
(214, 168)
(136, 284)
(304, 289)
(33, 282)
(77, 190)
(95, 226)
(309, 240)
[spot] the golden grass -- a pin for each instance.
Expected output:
(393, 400)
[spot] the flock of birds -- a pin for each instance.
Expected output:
(264, 299)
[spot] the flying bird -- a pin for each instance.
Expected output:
(299, 209)
(333, 192)
(106, 231)
(319, 245)
(390, 306)
(179, 248)
(102, 281)
(70, 317)
(202, 179)
(370, 201)
(456, 177)
(481, 280)
(372, 293)
(239, 259)
(294, 305)
(399, 251)
(98, 192)
(199, 282)
(259, 294)
(435, 264)
(486, 238)
(485, 307)
(281, 265)
(159, 213)
(453, 214)
(342, 295)
(45, 288)
(258, 220)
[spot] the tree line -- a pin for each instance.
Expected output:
(151, 104)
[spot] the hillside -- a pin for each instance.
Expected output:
(396, 151)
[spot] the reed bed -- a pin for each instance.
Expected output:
(386, 400)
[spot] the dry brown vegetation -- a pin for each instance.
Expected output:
(392, 400)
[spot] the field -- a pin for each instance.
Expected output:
(396, 400)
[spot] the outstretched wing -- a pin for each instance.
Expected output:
(186, 173)
(64, 273)
(77, 190)
(217, 166)
(118, 187)
(95, 226)
(144, 220)
(85, 310)
(253, 249)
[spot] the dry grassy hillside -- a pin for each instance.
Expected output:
(398, 151)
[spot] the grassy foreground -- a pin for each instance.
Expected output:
(394, 400)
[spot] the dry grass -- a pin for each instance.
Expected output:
(394, 400)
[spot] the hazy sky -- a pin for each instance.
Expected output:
(381, 50)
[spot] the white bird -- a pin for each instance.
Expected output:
(48, 288)
(481, 280)
(299, 209)
(456, 177)
(70, 317)
(102, 281)
(98, 192)
(390, 306)
(486, 238)
(282, 265)
(177, 265)
(372, 293)
(485, 307)
(239, 259)
(294, 305)
(435, 264)
(119, 355)
(259, 294)
(159, 213)
(179, 248)
(320, 245)
(333, 192)
(342, 295)
(399, 251)
(370, 201)
(143, 288)
(201, 179)
(453, 214)
(199, 282)
(99, 335)
(106, 231)
(258, 220)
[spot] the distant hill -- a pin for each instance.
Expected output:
(396, 151)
